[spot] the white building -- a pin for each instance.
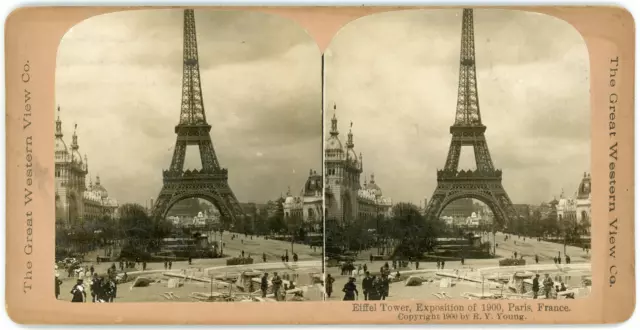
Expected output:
(307, 205)
(76, 203)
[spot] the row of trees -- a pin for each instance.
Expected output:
(406, 231)
(134, 227)
(553, 227)
(141, 231)
(411, 234)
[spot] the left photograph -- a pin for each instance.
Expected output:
(188, 159)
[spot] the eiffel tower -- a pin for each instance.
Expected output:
(484, 183)
(209, 183)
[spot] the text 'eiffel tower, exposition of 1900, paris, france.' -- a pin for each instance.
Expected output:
(209, 183)
(485, 182)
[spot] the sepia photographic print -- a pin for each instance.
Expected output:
(187, 164)
(455, 167)
(362, 165)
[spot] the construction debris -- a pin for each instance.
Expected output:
(174, 283)
(170, 296)
(198, 279)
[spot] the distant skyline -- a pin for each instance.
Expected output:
(395, 76)
(118, 77)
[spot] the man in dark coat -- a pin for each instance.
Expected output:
(367, 285)
(536, 286)
(264, 284)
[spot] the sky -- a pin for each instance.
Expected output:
(395, 76)
(118, 77)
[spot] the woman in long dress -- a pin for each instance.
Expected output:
(350, 289)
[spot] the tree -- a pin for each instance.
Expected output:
(262, 221)
(335, 240)
(134, 216)
(138, 229)
(410, 228)
(585, 224)
(276, 221)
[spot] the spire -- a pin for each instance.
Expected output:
(86, 162)
(98, 180)
(90, 182)
(192, 109)
(74, 138)
(373, 178)
(350, 138)
(59, 125)
(288, 190)
(334, 123)
(468, 108)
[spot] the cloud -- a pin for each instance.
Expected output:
(395, 75)
(119, 77)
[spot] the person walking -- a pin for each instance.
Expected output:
(276, 282)
(350, 289)
(384, 287)
(264, 284)
(329, 285)
(367, 285)
(78, 292)
(58, 282)
(548, 286)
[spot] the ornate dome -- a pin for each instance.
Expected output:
(333, 143)
(584, 190)
(97, 188)
(313, 186)
(289, 200)
(60, 147)
(373, 187)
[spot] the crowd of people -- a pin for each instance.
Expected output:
(279, 285)
(373, 287)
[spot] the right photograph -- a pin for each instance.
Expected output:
(457, 157)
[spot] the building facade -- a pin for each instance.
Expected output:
(307, 205)
(97, 203)
(576, 209)
(74, 201)
(566, 209)
(346, 199)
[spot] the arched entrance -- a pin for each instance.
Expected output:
(162, 208)
(500, 217)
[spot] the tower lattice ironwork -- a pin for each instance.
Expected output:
(210, 182)
(485, 182)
